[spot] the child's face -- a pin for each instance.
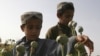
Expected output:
(66, 17)
(32, 29)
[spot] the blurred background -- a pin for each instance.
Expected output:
(87, 14)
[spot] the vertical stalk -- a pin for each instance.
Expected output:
(73, 31)
(79, 54)
(62, 50)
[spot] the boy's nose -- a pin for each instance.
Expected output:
(34, 30)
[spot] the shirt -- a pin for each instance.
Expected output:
(46, 47)
(58, 29)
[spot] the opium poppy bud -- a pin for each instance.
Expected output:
(62, 39)
(80, 29)
(20, 48)
(34, 44)
(72, 24)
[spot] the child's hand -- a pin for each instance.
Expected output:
(86, 41)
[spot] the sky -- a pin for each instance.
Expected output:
(87, 15)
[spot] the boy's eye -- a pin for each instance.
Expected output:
(38, 27)
(34, 27)
(30, 27)
(68, 16)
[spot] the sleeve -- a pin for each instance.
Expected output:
(54, 49)
(70, 46)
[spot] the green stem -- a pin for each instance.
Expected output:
(79, 54)
(73, 31)
(62, 50)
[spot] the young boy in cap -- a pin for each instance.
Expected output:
(31, 26)
(65, 13)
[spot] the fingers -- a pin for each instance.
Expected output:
(90, 45)
(86, 41)
(82, 38)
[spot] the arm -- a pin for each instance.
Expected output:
(86, 41)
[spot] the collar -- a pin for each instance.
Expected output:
(61, 26)
(25, 41)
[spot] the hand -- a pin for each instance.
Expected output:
(86, 41)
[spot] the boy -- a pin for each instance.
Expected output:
(31, 26)
(65, 13)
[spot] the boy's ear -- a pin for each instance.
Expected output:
(22, 27)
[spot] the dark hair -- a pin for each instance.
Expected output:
(63, 6)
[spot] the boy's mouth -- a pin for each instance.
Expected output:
(33, 36)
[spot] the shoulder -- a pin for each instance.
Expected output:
(20, 41)
(52, 32)
(53, 27)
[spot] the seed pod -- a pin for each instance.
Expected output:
(62, 39)
(34, 44)
(80, 29)
(72, 24)
(78, 46)
(20, 48)
(6, 52)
